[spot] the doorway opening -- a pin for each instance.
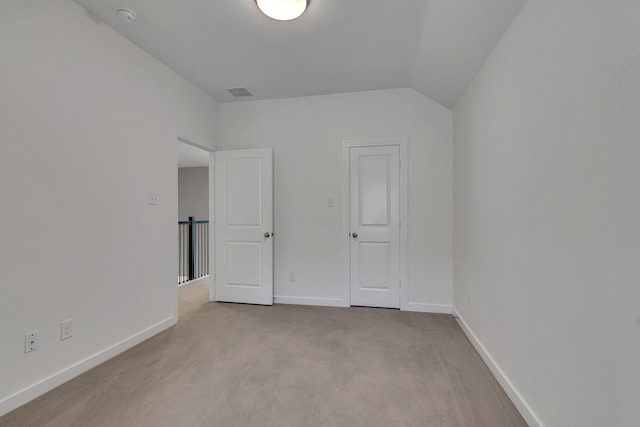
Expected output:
(193, 226)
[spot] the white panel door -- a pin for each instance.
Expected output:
(374, 181)
(244, 226)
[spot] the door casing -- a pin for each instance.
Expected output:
(401, 142)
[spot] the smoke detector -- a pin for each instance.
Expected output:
(127, 15)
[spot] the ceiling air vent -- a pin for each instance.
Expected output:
(239, 92)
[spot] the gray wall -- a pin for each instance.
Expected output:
(547, 208)
(193, 193)
(306, 135)
(89, 126)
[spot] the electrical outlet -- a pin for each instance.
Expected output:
(31, 342)
(66, 329)
(292, 277)
(153, 199)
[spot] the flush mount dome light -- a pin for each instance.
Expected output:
(282, 10)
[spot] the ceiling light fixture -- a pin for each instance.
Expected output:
(282, 10)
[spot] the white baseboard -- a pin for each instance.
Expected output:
(29, 393)
(339, 302)
(323, 302)
(427, 308)
(191, 282)
(521, 405)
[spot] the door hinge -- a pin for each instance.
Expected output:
(401, 283)
(400, 164)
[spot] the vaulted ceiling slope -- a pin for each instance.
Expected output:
(433, 46)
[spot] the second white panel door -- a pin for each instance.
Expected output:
(374, 181)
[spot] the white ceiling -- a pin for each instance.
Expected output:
(433, 46)
(192, 157)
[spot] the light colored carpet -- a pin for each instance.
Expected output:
(246, 365)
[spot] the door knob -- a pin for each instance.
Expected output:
(354, 235)
(267, 235)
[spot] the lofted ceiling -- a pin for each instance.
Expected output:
(433, 46)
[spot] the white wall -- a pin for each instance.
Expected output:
(307, 135)
(89, 124)
(547, 210)
(193, 193)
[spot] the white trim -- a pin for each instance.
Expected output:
(521, 405)
(346, 201)
(323, 302)
(191, 282)
(39, 388)
(196, 141)
(428, 308)
(175, 250)
(212, 227)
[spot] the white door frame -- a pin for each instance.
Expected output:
(212, 225)
(346, 204)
